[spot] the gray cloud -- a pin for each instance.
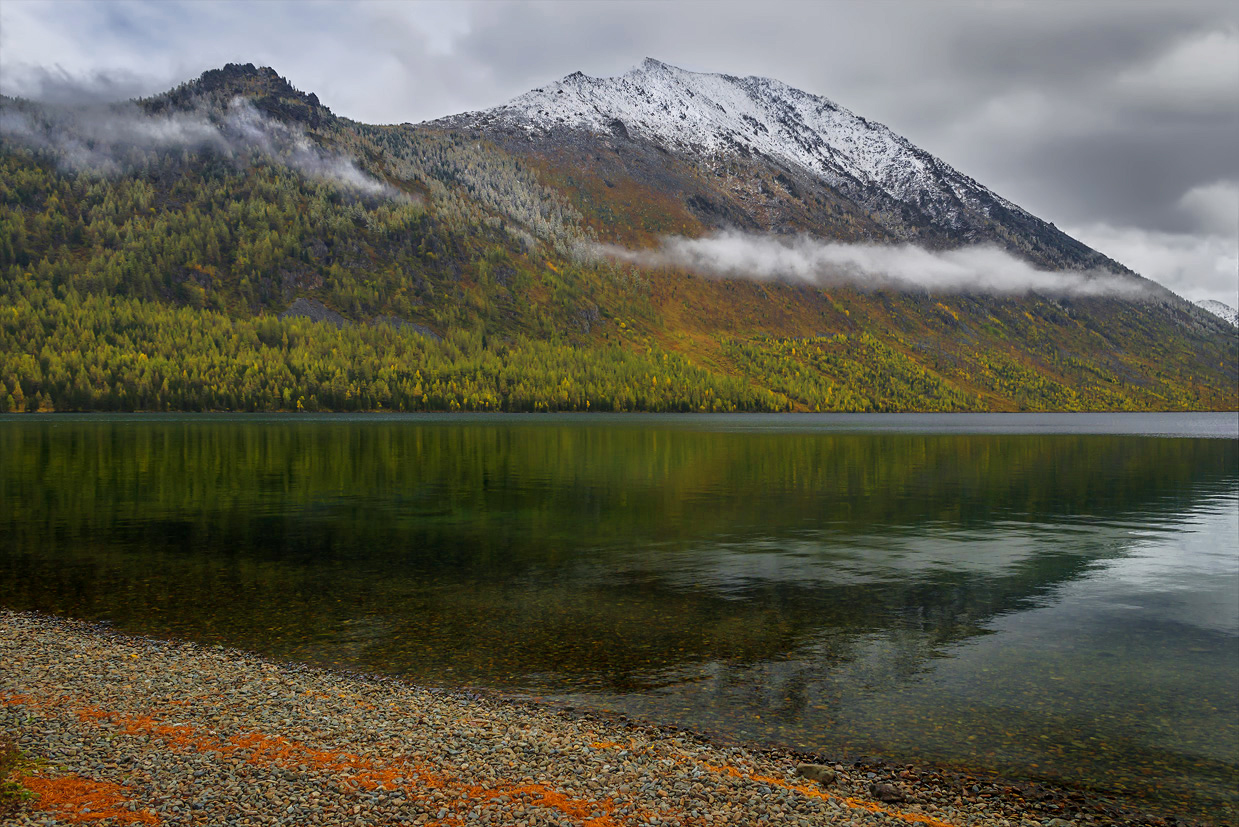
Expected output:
(54, 85)
(1198, 266)
(981, 269)
(1083, 113)
(1213, 208)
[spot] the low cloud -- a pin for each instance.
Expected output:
(981, 269)
(293, 148)
(116, 137)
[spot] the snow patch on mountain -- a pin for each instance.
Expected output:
(1222, 311)
(711, 115)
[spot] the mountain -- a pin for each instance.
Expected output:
(234, 244)
(773, 158)
(1222, 311)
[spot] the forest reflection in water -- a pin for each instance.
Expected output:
(1029, 600)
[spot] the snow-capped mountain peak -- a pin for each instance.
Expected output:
(712, 115)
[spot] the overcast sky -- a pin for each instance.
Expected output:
(1118, 121)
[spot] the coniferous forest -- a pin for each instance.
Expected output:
(338, 266)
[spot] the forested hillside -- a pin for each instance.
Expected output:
(175, 253)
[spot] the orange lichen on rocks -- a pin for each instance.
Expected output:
(413, 778)
(372, 775)
(815, 792)
(572, 807)
(400, 774)
(79, 800)
(183, 736)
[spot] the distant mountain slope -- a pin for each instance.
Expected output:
(233, 244)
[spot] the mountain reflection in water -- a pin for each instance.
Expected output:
(1045, 604)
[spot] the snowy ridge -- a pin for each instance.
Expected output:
(710, 115)
(1223, 311)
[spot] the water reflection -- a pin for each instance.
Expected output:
(1046, 603)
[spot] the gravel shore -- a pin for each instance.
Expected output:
(129, 731)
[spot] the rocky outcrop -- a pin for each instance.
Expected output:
(315, 311)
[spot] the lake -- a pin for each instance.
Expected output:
(1042, 596)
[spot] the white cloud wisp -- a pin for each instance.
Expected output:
(801, 259)
(111, 138)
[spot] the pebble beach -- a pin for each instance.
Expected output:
(120, 730)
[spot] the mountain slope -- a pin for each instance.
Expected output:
(233, 244)
(711, 115)
(773, 146)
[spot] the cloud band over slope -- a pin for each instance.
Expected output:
(111, 138)
(802, 259)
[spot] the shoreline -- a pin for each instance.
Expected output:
(147, 731)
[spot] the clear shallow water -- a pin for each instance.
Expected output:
(1043, 596)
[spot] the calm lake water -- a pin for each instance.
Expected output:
(1043, 596)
